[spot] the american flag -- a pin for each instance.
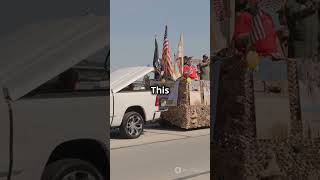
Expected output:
(166, 57)
(258, 32)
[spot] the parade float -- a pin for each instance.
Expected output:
(188, 105)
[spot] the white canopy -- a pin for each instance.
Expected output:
(121, 78)
(38, 52)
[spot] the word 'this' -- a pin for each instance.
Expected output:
(160, 90)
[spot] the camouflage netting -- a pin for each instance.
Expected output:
(187, 116)
(237, 154)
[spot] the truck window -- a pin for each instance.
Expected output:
(89, 77)
(142, 84)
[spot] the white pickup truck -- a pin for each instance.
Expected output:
(52, 127)
(131, 101)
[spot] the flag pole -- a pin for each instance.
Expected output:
(182, 54)
(155, 39)
(164, 64)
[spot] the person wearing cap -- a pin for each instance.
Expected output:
(190, 70)
(204, 67)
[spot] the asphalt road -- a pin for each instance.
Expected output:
(162, 154)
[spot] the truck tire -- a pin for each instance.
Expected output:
(132, 125)
(71, 169)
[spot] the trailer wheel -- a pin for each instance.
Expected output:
(132, 125)
(71, 169)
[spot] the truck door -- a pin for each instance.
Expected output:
(4, 138)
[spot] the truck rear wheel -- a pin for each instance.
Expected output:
(74, 169)
(132, 125)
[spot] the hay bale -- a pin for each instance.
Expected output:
(188, 117)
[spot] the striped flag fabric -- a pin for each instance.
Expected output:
(166, 57)
(178, 65)
(174, 66)
(258, 31)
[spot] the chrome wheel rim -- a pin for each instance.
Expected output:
(78, 175)
(134, 125)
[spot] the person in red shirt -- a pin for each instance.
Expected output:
(190, 70)
(255, 30)
(268, 45)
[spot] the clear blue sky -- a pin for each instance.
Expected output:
(135, 22)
